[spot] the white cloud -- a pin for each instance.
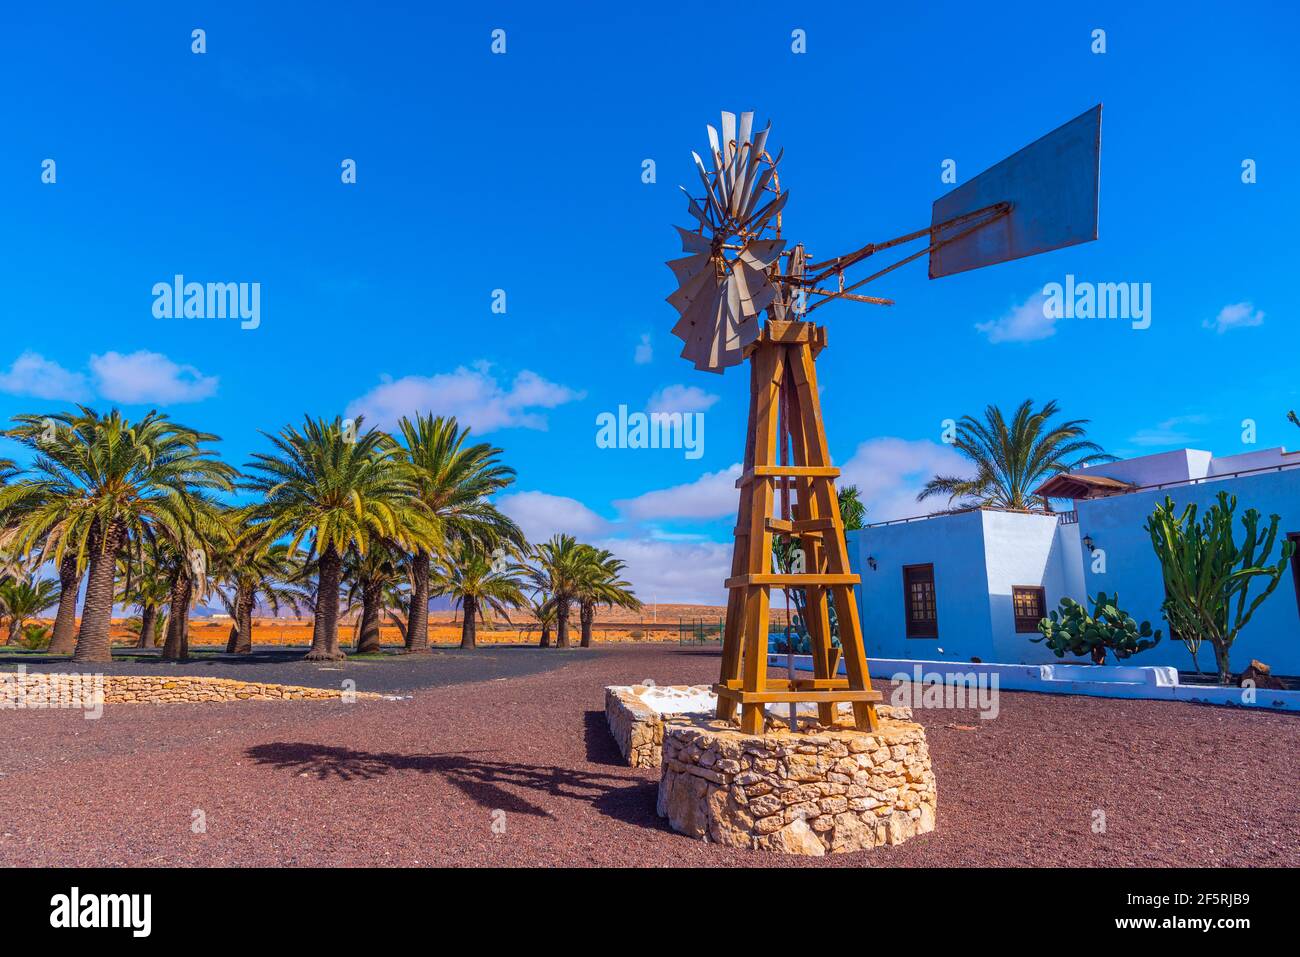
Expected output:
(33, 375)
(680, 398)
(710, 496)
(472, 395)
(1239, 315)
(1025, 323)
(645, 352)
(541, 515)
(1168, 432)
(148, 377)
(686, 572)
(889, 472)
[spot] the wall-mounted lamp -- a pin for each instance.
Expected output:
(1088, 544)
(871, 562)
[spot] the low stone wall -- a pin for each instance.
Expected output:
(159, 689)
(812, 792)
(637, 729)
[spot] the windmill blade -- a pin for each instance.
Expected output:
(759, 219)
(752, 193)
(692, 290)
(694, 208)
(704, 334)
(693, 242)
(686, 267)
(712, 200)
(742, 177)
(761, 253)
(696, 309)
(746, 124)
(717, 150)
(740, 279)
(728, 150)
(760, 140)
(755, 280)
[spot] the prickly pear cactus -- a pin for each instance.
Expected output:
(1073, 631)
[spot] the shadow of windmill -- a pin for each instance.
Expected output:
(490, 784)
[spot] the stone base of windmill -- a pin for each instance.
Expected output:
(816, 791)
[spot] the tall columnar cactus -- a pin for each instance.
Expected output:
(1108, 628)
(1207, 575)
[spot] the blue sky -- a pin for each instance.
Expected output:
(522, 172)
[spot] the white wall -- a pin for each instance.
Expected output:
(954, 544)
(1027, 550)
(1245, 461)
(1116, 526)
(1155, 469)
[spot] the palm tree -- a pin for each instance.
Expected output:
(542, 609)
(479, 584)
(190, 560)
(146, 585)
(559, 574)
(601, 583)
(853, 512)
(395, 600)
(338, 492)
(25, 598)
(453, 480)
(1012, 459)
(71, 571)
(368, 576)
(251, 567)
(101, 483)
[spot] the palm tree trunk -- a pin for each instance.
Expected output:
(587, 615)
(94, 643)
(176, 647)
(562, 625)
(64, 636)
(148, 615)
(469, 627)
(15, 630)
(368, 640)
(546, 637)
(240, 641)
(417, 619)
(325, 638)
(245, 610)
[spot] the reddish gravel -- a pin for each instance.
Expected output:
(415, 782)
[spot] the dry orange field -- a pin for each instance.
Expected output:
(651, 623)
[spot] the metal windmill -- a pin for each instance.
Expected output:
(743, 295)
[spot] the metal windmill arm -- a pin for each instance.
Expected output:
(838, 265)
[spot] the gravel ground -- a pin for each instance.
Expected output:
(388, 673)
(416, 782)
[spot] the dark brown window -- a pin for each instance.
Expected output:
(919, 603)
(1029, 602)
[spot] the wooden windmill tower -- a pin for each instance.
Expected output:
(743, 295)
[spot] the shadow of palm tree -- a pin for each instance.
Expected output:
(485, 782)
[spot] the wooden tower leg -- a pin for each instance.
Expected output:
(816, 602)
(769, 362)
(836, 551)
(733, 630)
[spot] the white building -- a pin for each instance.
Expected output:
(973, 584)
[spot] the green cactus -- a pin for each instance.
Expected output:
(1204, 571)
(1073, 631)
